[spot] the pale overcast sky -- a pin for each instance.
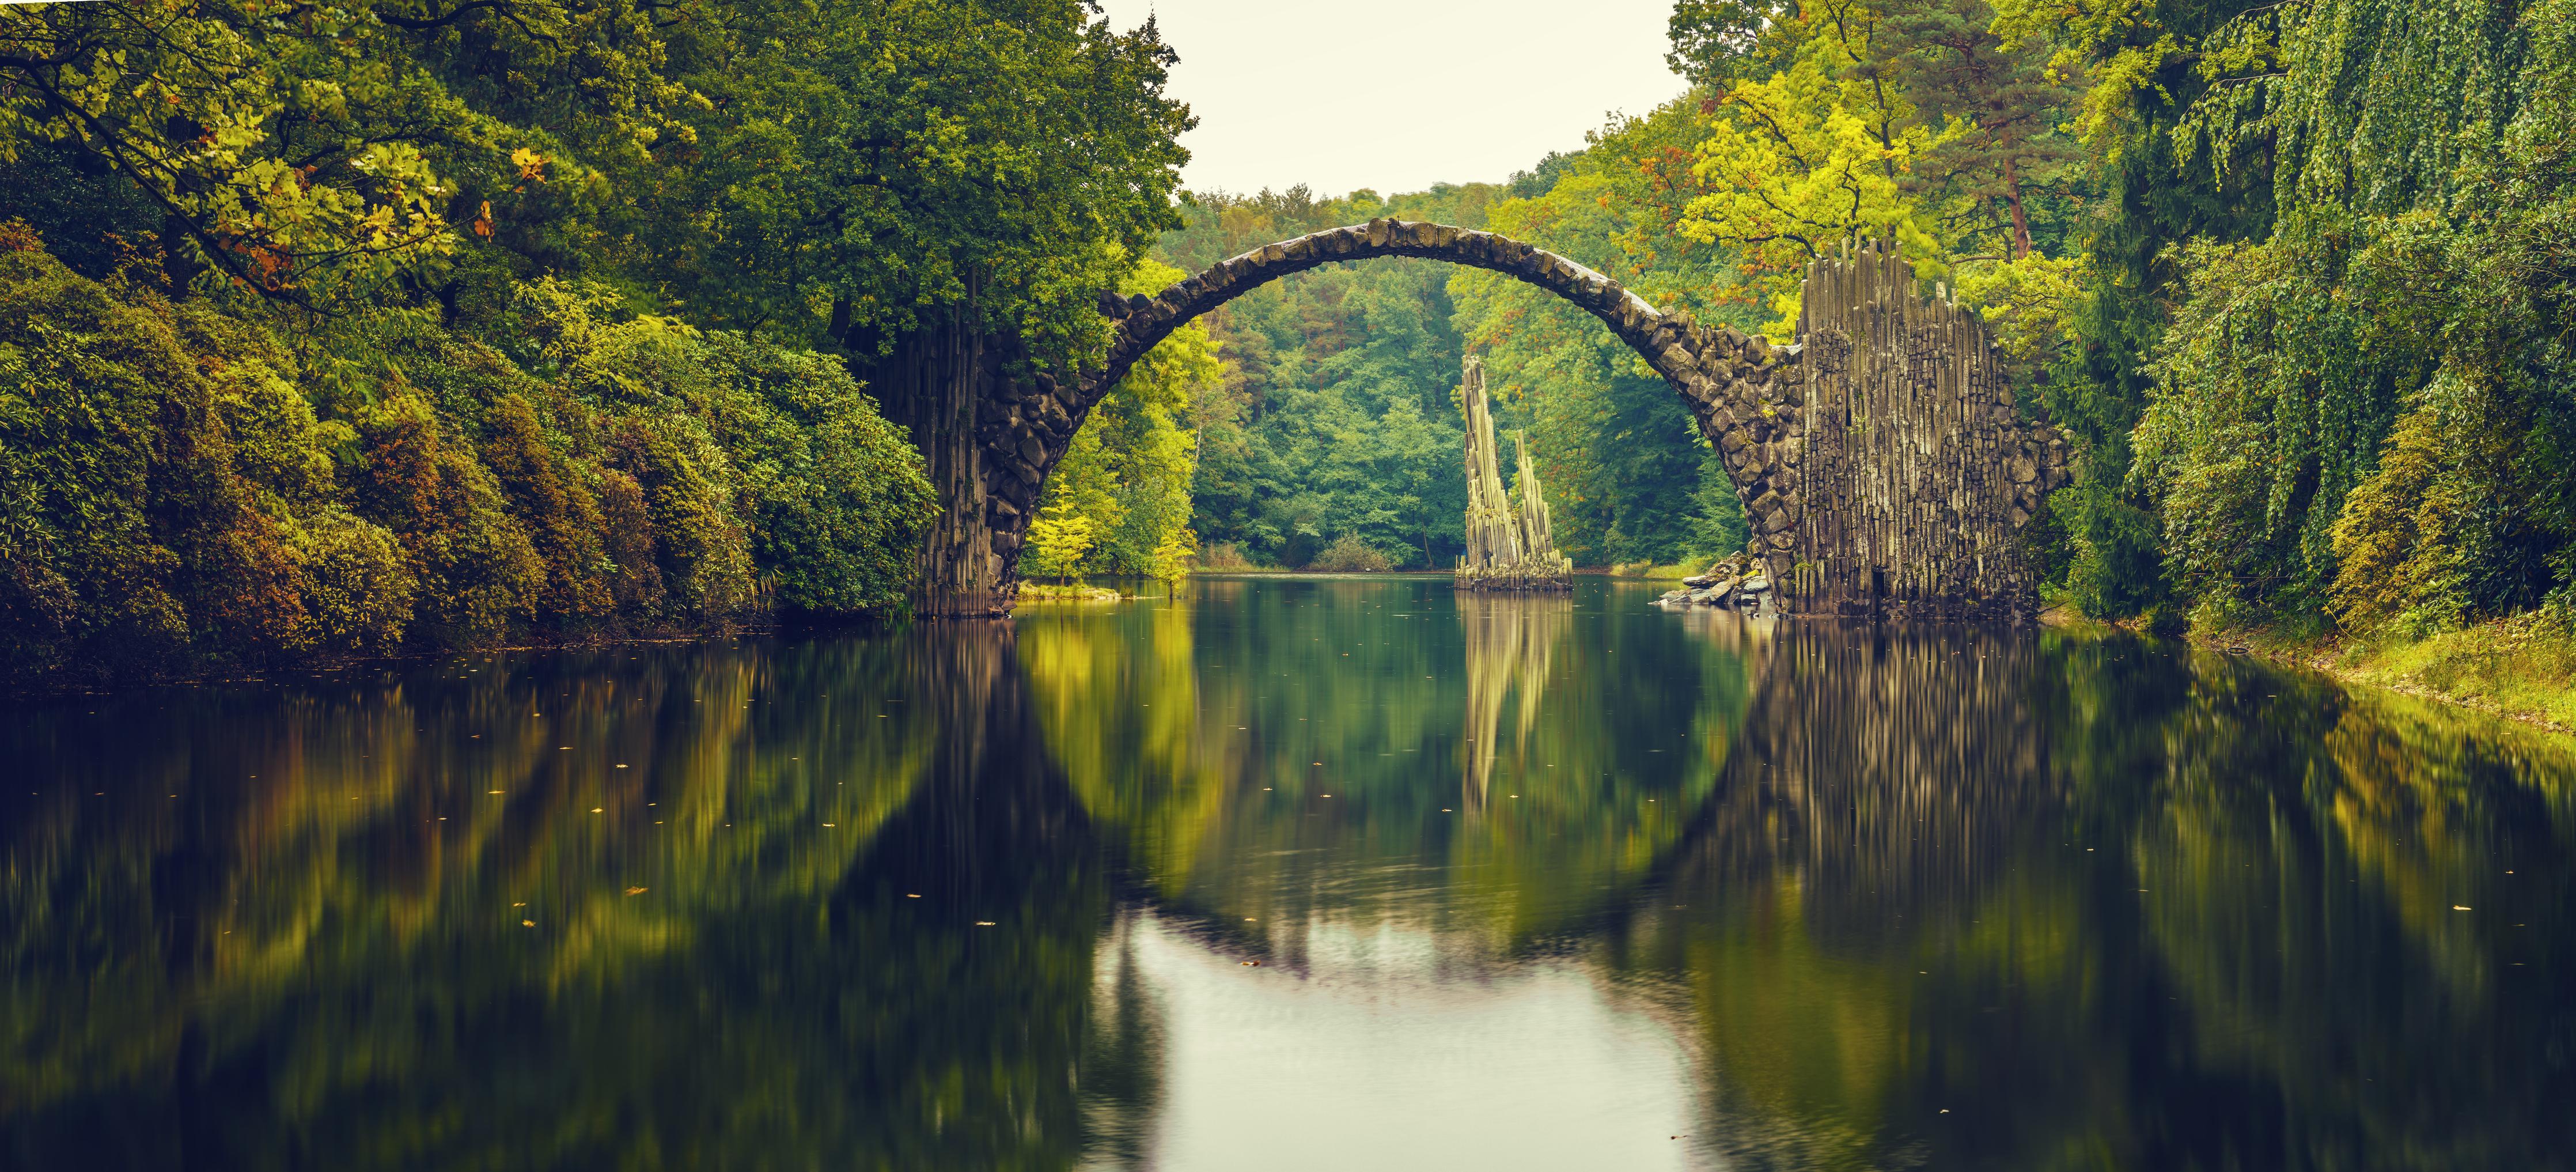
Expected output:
(1397, 95)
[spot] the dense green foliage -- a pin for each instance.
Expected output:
(806, 169)
(2367, 413)
(172, 497)
(2315, 358)
(2292, 275)
(1807, 126)
(340, 330)
(1119, 502)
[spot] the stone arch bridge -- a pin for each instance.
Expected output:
(1881, 462)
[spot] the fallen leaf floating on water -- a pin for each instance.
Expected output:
(596, 809)
(983, 923)
(634, 891)
(527, 923)
(909, 895)
(2457, 908)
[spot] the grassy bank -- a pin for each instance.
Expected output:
(1067, 592)
(2521, 667)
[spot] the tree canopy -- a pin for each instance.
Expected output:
(443, 322)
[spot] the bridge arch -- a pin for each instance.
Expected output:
(1918, 376)
(1023, 445)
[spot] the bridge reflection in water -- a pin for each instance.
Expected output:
(1588, 878)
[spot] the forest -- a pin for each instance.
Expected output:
(332, 331)
(2295, 278)
(423, 324)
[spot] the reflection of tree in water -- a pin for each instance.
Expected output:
(295, 962)
(2047, 901)
(2025, 901)
(1511, 640)
(2308, 870)
(1122, 1067)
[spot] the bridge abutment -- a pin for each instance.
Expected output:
(1914, 471)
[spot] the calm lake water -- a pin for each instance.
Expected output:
(1291, 874)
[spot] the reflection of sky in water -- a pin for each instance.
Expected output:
(1370, 1047)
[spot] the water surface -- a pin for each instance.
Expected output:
(1289, 874)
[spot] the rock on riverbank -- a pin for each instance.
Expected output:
(1734, 584)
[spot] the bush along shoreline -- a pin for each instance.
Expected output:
(210, 486)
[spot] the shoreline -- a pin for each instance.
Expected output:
(2325, 661)
(2333, 659)
(2348, 662)
(38, 691)
(2456, 654)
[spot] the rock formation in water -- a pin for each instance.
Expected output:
(1508, 547)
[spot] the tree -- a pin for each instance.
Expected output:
(287, 150)
(2005, 105)
(1716, 42)
(1627, 475)
(859, 163)
(1336, 419)
(2365, 413)
(2138, 64)
(1821, 150)
(1119, 501)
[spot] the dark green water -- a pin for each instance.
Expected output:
(1289, 874)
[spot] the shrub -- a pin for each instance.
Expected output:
(479, 574)
(129, 533)
(179, 489)
(838, 498)
(555, 505)
(357, 586)
(1224, 557)
(1348, 554)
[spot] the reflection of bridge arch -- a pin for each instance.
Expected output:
(1879, 461)
(1150, 750)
